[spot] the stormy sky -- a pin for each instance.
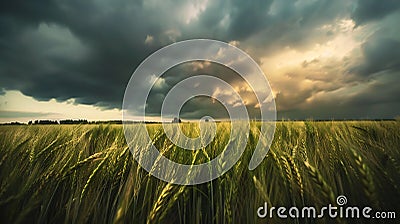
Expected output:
(324, 59)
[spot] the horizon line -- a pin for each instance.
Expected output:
(116, 121)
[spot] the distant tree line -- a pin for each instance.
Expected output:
(68, 121)
(13, 123)
(81, 121)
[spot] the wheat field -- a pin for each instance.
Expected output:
(86, 174)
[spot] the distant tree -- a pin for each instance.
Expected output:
(176, 120)
(70, 121)
(107, 122)
(13, 123)
(45, 122)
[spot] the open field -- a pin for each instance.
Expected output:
(86, 173)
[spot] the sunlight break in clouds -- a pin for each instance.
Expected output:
(16, 106)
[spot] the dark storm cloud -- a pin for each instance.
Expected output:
(87, 50)
(380, 54)
(287, 23)
(203, 106)
(369, 10)
(376, 99)
(107, 40)
(72, 49)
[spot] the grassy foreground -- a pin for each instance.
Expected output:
(86, 173)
